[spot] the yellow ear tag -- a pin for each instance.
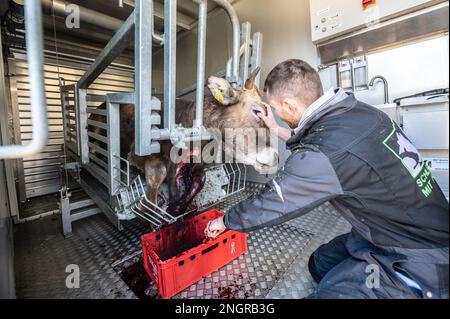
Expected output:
(219, 97)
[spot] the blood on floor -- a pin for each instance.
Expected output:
(133, 273)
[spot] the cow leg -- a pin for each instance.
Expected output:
(155, 173)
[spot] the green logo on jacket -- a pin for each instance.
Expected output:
(407, 153)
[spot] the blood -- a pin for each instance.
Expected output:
(182, 238)
(192, 176)
(138, 280)
(233, 292)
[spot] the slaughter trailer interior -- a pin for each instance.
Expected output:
(73, 201)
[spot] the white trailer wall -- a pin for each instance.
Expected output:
(285, 26)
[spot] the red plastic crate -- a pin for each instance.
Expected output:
(194, 257)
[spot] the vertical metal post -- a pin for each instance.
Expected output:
(113, 122)
(143, 76)
(170, 62)
(10, 184)
(16, 123)
(82, 117)
(201, 61)
(245, 62)
(226, 5)
(64, 206)
(257, 55)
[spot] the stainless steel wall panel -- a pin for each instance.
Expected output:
(40, 174)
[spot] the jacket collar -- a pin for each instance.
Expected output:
(332, 104)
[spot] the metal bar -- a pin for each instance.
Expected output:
(113, 120)
(81, 204)
(225, 4)
(71, 146)
(68, 88)
(257, 56)
(143, 217)
(84, 214)
(35, 49)
(143, 77)
(229, 65)
(107, 210)
(100, 174)
(183, 21)
(97, 124)
(201, 61)
(82, 129)
(64, 206)
(98, 149)
(245, 40)
(95, 98)
(71, 117)
(14, 106)
(113, 49)
(98, 161)
(98, 137)
(70, 134)
(170, 62)
(121, 98)
(92, 110)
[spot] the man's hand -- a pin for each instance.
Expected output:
(270, 121)
(215, 228)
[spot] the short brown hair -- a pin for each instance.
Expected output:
(294, 78)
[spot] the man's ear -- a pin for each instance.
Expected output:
(223, 92)
(290, 106)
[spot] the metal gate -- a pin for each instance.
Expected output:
(40, 174)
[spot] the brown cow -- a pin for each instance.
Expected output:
(238, 108)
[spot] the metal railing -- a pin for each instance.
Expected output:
(94, 141)
(132, 201)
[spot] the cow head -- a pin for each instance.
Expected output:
(238, 109)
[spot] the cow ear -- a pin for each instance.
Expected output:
(250, 83)
(223, 92)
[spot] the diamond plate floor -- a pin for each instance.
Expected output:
(274, 267)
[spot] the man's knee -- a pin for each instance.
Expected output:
(327, 256)
(313, 269)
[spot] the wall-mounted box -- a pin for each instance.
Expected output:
(331, 18)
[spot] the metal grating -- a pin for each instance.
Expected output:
(42, 254)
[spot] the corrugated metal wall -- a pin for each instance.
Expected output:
(40, 174)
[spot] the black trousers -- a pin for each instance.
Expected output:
(350, 267)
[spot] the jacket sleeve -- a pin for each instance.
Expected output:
(306, 181)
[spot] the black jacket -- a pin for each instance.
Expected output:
(354, 156)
